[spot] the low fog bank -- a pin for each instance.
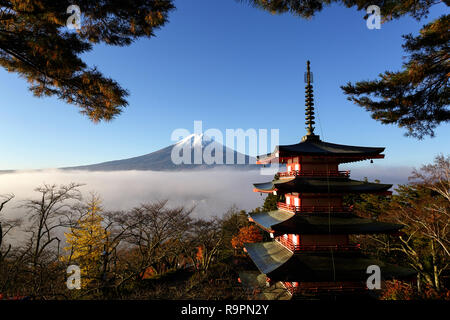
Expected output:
(390, 175)
(212, 192)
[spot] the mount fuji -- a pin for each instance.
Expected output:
(161, 160)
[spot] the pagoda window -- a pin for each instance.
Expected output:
(296, 202)
(297, 167)
(288, 199)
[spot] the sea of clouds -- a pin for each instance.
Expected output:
(212, 192)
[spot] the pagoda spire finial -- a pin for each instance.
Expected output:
(309, 103)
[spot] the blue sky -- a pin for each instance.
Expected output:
(231, 66)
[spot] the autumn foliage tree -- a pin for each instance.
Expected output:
(151, 234)
(423, 208)
(398, 290)
(232, 222)
(86, 241)
(206, 237)
(36, 44)
(249, 234)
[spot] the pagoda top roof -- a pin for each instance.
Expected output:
(282, 222)
(280, 264)
(320, 185)
(311, 145)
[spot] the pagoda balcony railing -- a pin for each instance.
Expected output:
(295, 209)
(312, 173)
(313, 247)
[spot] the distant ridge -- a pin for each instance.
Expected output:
(161, 160)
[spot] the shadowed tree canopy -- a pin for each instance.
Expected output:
(390, 9)
(36, 44)
(416, 97)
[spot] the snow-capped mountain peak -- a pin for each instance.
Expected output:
(195, 139)
(161, 160)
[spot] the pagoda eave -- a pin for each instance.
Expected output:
(321, 185)
(281, 222)
(280, 264)
(264, 191)
(268, 219)
(317, 158)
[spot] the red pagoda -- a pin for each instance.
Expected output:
(311, 252)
